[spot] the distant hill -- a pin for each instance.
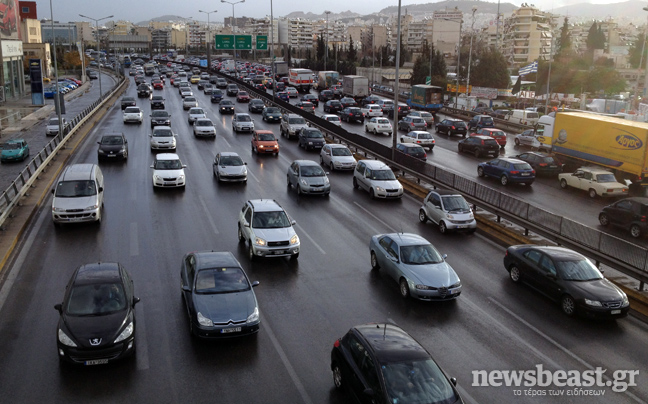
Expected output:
(465, 6)
(163, 18)
(313, 16)
(632, 9)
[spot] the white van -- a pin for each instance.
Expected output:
(78, 195)
(523, 117)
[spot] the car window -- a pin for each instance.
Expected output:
(547, 265)
(128, 110)
(382, 175)
(522, 166)
(385, 242)
(626, 205)
(270, 220)
(580, 270)
(406, 379)
(71, 189)
(96, 299)
(231, 161)
(190, 263)
(162, 132)
(503, 163)
(221, 280)
(600, 178)
(434, 199)
(533, 256)
(297, 121)
(420, 255)
(340, 151)
(168, 165)
(455, 203)
(266, 137)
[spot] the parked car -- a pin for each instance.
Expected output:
(112, 146)
(351, 114)
(629, 214)
(508, 170)
(412, 150)
(567, 277)
(337, 157)
(226, 107)
(133, 114)
(377, 178)
(596, 181)
(542, 163)
(168, 171)
(379, 125)
(204, 127)
(448, 210)
(479, 145)
(333, 106)
(311, 138)
(162, 138)
(409, 124)
(419, 137)
(242, 122)
(229, 167)
(256, 105)
(497, 134)
(308, 177)
(481, 121)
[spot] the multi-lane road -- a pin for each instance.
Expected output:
(305, 305)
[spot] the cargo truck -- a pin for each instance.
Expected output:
(301, 79)
(326, 79)
(356, 87)
(281, 69)
(582, 138)
(426, 98)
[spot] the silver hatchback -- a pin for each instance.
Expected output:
(308, 177)
(448, 210)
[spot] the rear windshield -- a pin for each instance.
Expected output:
(297, 121)
(424, 135)
(487, 120)
(522, 166)
(490, 142)
(129, 110)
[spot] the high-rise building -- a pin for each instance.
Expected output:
(527, 36)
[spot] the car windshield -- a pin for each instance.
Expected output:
(10, 146)
(204, 122)
(266, 137)
(128, 110)
(230, 161)
(383, 175)
(270, 220)
(297, 121)
(419, 381)
(244, 118)
(272, 110)
(340, 151)
(487, 120)
(335, 103)
(314, 134)
(96, 300)
(221, 280)
(71, 189)
(455, 203)
(157, 98)
(162, 132)
(581, 270)
(311, 171)
(420, 255)
(112, 140)
(168, 165)
(159, 114)
(196, 111)
(605, 178)
(255, 102)
(226, 102)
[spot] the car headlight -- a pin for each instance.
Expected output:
(303, 182)
(380, 189)
(181, 177)
(259, 241)
(456, 285)
(92, 207)
(204, 321)
(472, 216)
(64, 339)
(123, 149)
(624, 301)
(254, 317)
(594, 303)
(128, 331)
(101, 151)
(294, 240)
(310, 142)
(326, 181)
(451, 217)
(157, 177)
(423, 287)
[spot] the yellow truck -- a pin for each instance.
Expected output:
(582, 138)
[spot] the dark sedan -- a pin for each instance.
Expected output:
(348, 102)
(310, 98)
(352, 114)
(218, 296)
(326, 95)
(128, 102)
(452, 127)
(507, 170)
(256, 105)
(543, 163)
(216, 96)
(113, 146)
(629, 214)
(333, 106)
(567, 277)
(226, 107)
(381, 363)
(157, 102)
(271, 114)
(97, 322)
(162, 118)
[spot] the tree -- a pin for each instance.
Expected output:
(421, 70)
(595, 38)
(490, 70)
(564, 41)
(352, 54)
(321, 48)
(634, 53)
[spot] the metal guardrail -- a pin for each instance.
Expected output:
(18, 188)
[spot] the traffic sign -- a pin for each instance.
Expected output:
(262, 42)
(224, 41)
(243, 41)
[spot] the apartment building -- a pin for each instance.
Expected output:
(296, 32)
(527, 36)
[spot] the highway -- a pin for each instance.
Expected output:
(305, 305)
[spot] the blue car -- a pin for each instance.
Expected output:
(282, 95)
(216, 96)
(50, 91)
(14, 150)
(508, 170)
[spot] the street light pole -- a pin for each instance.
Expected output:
(208, 37)
(470, 52)
(398, 52)
(458, 56)
(96, 20)
(272, 57)
(327, 40)
(58, 93)
(233, 30)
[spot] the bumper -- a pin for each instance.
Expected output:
(524, 180)
(286, 251)
(344, 166)
(602, 312)
(222, 332)
(438, 294)
(273, 119)
(323, 190)
(113, 156)
(232, 178)
(461, 226)
(161, 183)
(205, 134)
(388, 194)
(98, 356)
(266, 149)
(243, 128)
(132, 120)
(76, 217)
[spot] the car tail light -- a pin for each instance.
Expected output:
(350, 113)
(543, 164)
(642, 219)
(532, 171)
(418, 141)
(412, 123)
(337, 343)
(453, 128)
(515, 172)
(425, 123)
(610, 190)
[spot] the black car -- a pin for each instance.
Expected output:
(226, 107)
(271, 114)
(479, 146)
(157, 102)
(542, 163)
(128, 102)
(113, 146)
(161, 118)
(352, 114)
(412, 150)
(502, 113)
(337, 91)
(280, 86)
(97, 322)
(256, 105)
(451, 127)
(232, 90)
(216, 96)
(326, 95)
(143, 90)
(310, 98)
(629, 214)
(333, 106)
(213, 79)
(311, 138)
(567, 277)
(372, 99)
(403, 110)
(218, 296)
(484, 111)
(201, 84)
(481, 121)
(382, 363)
(348, 102)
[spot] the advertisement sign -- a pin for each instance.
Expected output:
(452, 88)
(9, 19)
(484, 92)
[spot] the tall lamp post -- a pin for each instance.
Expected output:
(58, 93)
(272, 57)
(396, 80)
(233, 3)
(96, 20)
(327, 38)
(470, 52)
(208, 38)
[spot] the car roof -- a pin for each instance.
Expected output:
(265, 205)
(483, 137)
(407, 238)
(639, 199)
(97, 272)
(411, 145)
(390, 343)
(375, 164)
(446, 192)
(417, 132)
(595, 170)
(215, 259)
(167, 156)
(78, 172)
(512, 160)
(491, 129)
(203, 119)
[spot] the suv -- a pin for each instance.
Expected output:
(479, 145)
(448, 210)
(267, 230)
(377, 178)
(481, 121)
(292, 124)
(629, 213)
(311, 138)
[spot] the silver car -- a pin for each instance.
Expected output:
(163, 138)
(204, 127)
(242, 123)
(337, 157)
(377, 178)
(267, 230)
(229, 167)
(308, 178)
(448, 210)
(195, 114)
(419, 269)
(189, 102)
(426, 116)
(52, 128)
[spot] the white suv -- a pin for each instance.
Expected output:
(267, 230)
(377, 178)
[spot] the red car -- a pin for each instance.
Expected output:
(158, 85)
(242, 96)
(496, 134)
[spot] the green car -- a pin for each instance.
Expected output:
(14, 150)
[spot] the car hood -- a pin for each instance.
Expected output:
(77, 202)
(600, 289)
(232, 170)
(85, 328)
(296, 126)
(223, 307)
(111, 148)
(168, 173)
(281, 234)
(344, 159)
(387, 184)
(162, 139)
(437, 275)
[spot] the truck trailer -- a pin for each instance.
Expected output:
(301, 79)
(325, 79)
(356, 87)
(426, 98)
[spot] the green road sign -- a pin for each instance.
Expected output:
(427, 80)
(243, 41)
(262, 42)
(224, 41)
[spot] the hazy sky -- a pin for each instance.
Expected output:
(141, 10)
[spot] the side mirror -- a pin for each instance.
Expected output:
(551, 276)
(453, 380)
(135, 301)
(100, 189)
(58, 308)
(184, 166)
(151, 165)
(186, 288)
(255, 284)
(293, 222)
(444, 256)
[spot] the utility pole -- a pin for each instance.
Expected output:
(208, 38)
(396, 79)
(327, 40)
(470, 53)
(234, 30)
(96, 20)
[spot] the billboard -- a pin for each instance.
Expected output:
(9, 19)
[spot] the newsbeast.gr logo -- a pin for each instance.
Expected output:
(569, 382)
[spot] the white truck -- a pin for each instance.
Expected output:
(355, 86)
(229, 66)
(280, 68)
(301, 79)
(325, 79)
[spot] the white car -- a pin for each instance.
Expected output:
(204, 127)
(52, 128)
(163, 138)
(378, 179)
(292, 92)
(133, 114)
(195, 114)
(337, 157)
(379, 125)
(186, 92)
(242, 123)
(267, 230)
(371, 110)
(168, 171)
(229, 167)
(334, 119)
(596, 181)
(419, 137)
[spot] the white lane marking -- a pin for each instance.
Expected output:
(302, 231)
(341, 203)
(291, 371)
(209, 216)
(558, 345)
(224, 139)
(134, 240)
(375, 217)
(253, 176)
(141, 342)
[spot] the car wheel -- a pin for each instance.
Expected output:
(372, 195)
(288, 181)
(422, 216)
(251, 253)
(635, 231)
(592, 193)
(514, 273)
(409, 129)
(504, 180)
(480, 171)
(605, 220)
(404, 288)
(443, 229)
(355, 183)
(568, 305)
(337, 376)
(477, 153)
(299, 190)
(366, 129)
(294, 256)
(563, 184)
(374, 261)
(517, 142)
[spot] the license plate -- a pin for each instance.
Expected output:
(615, 312)
(463, 226)
(525, 174)
(96, 362)
(230, 330)
(279, 252)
